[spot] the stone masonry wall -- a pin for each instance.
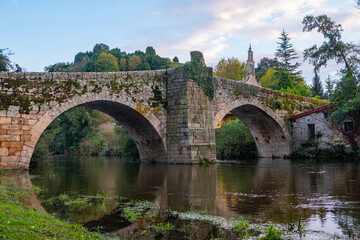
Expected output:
(229, 92)
(327, 134)
(29, 102)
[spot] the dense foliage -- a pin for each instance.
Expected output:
(5, 63)
(104, 59)
(234, 141)
(231, 68)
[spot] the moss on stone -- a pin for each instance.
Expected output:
(202, 75)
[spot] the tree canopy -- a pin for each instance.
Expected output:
(346, 94)
(5, 63)
(231, 68)
(264, 65)
(102, 58)
(106, 62)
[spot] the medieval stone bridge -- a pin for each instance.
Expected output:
(171, 114)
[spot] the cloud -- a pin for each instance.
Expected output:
(258, 22)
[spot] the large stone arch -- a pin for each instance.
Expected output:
(269, 130)
(147, 129)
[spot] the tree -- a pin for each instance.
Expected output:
(175, 59)
(264, 65)
(231, 68)
(333, 48)
(234, 141)
(100, 47)
(316, 87)
(286, 54)
(285, 81)
(5, 63)
(134, 62)
(329, 86)
(117, 53)
(145, 66)
(123, 64)
(59, 67)
(270, 79)
(106, 62)
(150, 51)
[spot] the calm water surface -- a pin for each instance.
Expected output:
(323, 197)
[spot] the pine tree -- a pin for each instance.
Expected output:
(329, 86)
(286, 54)
(316, 87)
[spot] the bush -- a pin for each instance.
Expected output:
(234, 141)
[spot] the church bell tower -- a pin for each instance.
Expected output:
(250, 76)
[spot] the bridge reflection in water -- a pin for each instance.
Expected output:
(322, 197)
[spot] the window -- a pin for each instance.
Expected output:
(349, 126)
(311, 131)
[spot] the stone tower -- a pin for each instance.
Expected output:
(250, 76)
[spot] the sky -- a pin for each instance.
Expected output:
(40, 33)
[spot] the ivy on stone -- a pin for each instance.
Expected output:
(202, 75)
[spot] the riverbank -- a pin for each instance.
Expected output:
(18, 221)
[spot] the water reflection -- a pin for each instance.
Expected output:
(322, 197)
(21, 179)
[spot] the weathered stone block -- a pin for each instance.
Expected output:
(5, 120)
(3, 151)
(10, 144)
(4, 138)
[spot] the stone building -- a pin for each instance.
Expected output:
(314, 126)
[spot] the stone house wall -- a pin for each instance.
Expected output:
(325, 133)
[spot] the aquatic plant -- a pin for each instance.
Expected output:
(240, 225)
(163, 228)
(272, 233)
(133, 210)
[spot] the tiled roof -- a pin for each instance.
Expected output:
(308, 112)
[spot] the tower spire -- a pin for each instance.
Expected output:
(250, 76)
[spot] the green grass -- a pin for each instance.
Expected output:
(133, 210)
(272, 233)
(18, 221)
(240, 225)
(163, 228)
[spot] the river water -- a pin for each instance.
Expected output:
(321, 197)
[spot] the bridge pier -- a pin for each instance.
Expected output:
(190, 134)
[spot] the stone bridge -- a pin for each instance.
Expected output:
(171, 114)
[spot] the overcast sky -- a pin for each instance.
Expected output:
(45, 32)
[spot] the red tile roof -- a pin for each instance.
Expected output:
(308, 112)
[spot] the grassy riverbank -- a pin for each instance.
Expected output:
(18, 221)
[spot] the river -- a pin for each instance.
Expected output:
(322, 197)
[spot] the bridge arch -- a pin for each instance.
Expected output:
(269, 130)
(147, 129)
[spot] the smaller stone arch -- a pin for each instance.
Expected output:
(146, 128)
(269, 130)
